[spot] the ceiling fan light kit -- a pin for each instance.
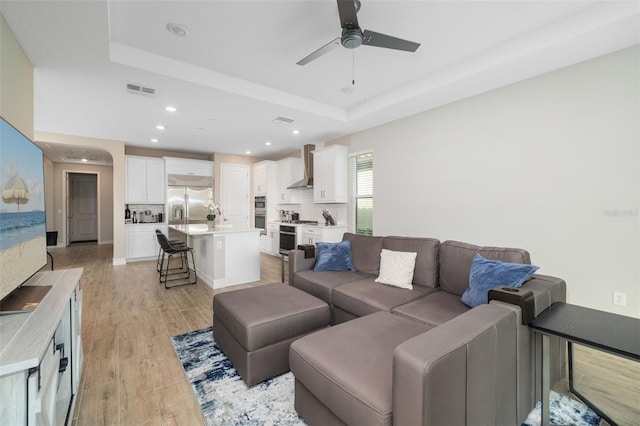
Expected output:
(353, 36)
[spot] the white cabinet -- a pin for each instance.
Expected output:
(264, 178)
(290, 170)
(330, 174)
(186, 166)
(41, 354)
(320, 234)
(142, 242)
(145, 180)
(272, 245)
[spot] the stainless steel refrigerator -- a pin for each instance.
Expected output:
(186, 197)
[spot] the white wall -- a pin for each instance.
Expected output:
(16, 82)
(550, 164)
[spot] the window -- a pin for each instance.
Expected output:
(361, 203)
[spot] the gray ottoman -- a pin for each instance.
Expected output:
(254, 327)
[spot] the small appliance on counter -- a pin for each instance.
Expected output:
(147, 217)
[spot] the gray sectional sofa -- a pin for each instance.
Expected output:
(417, 356)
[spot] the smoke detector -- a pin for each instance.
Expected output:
(177, 29)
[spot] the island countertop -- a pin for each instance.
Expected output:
(203, 229)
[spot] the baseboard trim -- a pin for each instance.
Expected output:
(119, 261)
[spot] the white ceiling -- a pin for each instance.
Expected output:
(235, 70)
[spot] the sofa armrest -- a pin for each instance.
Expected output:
(546, 291)
(461, 372)
(297, 262)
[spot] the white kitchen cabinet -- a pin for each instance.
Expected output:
(330, 174)
(187, 166)
(290, 170)
(273, 238)
(145, 180)
(264, 178)
(321, 234)
(41, 354)
(142, 242)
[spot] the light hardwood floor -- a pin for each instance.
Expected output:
(131, 373)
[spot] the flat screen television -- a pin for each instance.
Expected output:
(23, 244)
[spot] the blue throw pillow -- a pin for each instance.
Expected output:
(334, 257)
(487, 274)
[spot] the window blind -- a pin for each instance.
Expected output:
(361, 199)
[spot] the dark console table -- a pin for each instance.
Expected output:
(604, 331)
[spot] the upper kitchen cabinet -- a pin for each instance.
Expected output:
(289, 170)
(186, 166)
(145, 180)
(264, 178)
(330, 180)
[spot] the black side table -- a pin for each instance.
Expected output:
(616, 334)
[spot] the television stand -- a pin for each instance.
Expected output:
(41, 353)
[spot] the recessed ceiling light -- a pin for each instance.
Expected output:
(248, 152)
(84, 160)
(171, 109)
(296, 132)
(154, 140)
(177, 29)
(160, 127)
(267, 143)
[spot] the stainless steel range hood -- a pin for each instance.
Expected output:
(307, 158)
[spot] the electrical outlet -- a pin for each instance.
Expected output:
(619, 298)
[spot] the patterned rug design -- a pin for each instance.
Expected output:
(226, 401)
(223, 397)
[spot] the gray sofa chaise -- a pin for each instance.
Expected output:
(417, 356)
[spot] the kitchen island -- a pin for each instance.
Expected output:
(224, 256)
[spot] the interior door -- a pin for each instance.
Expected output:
(83, 220)
(234, 188)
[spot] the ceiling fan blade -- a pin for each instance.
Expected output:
(348, 14)
(324, 49)
(372, 38)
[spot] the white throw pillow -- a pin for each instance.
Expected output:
(396, 268)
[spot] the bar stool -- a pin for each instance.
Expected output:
(183, 274)
(174, 243)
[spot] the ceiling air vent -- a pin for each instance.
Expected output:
(283, 121)
(138, 89)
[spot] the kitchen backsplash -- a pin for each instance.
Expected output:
(308, 210)
(146, 212)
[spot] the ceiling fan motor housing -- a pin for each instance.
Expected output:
(351, 38)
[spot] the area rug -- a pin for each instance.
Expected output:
(226, 401)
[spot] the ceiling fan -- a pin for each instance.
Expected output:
(353, 36)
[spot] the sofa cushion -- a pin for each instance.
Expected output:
(348, 367)
(366, 297)
(320, 284)
(486, 274)
(334, 257)
(434, 309)
(396, 268)
(456, 258)
(365, 252)
(426, 269)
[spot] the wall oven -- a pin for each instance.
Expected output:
(260, 203)
(288, 239)
(260, 213)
